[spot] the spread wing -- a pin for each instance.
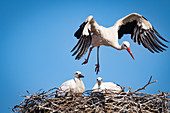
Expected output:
(141, 32)
(84, 36)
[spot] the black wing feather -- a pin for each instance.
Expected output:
(76, 45)
(86, 46)
(136, 34)
(145, 43)
(148, 37)
(127, 28)
(149, 42)
(134, 31)
(159, 41)
(159, 35)
(138, 39)
(82, 48)
(154, 42)
(82, 45)
(78, 33)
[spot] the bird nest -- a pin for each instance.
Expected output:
(46, 102)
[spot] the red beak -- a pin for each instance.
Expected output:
(130, 52)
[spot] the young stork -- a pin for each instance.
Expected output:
(72, 87)
(102, 86)
(141, 30)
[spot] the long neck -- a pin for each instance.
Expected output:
(114, 42)
(119, 47)
(79, 83)
(116, 45)
(99, 85)
(77, 79)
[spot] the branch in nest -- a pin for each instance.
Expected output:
(28, 92)
(129, 90)
(144, 87)
(121, 90)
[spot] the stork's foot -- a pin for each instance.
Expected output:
(97, 68)
(85, 62)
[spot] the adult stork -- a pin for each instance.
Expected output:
(141, 30)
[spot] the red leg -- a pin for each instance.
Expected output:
(97, 65)
(86, 60)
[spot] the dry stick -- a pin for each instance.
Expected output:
(28, 92)
(149, 82)
(121, 89)
(22, 101)
(50, 90)
(130, 90)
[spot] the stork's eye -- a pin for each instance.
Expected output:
(125, 45)
(76, 73)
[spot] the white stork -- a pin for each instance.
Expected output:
(141, 30)
(72, 87)
(102, 86)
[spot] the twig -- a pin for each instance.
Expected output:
(144, 87)
(130, 90)
(121, 90)
(28, 92)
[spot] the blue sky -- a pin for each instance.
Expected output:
(36, 38)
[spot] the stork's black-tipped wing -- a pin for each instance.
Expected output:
(79, 32)
(141, 32)
(85, 38)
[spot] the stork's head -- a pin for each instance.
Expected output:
(99, 81)
(78, 74)
(126, 45)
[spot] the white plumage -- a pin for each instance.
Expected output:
(72, 87)
(141, 30)
(102, 86)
